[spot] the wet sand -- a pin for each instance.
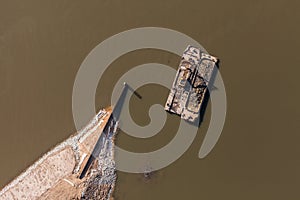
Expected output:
(42, 45)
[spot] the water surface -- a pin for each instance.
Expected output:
(42, 45)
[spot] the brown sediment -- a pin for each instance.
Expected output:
(56, 174)
(44, 176)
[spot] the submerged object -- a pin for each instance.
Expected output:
(148, 172)
(191, 84)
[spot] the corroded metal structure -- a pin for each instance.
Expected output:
(191, 84)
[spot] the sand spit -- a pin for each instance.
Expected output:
(56, 174)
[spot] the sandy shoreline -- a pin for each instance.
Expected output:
(64, 160)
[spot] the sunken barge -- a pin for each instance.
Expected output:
(191, 84)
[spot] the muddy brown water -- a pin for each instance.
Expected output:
(42, 45)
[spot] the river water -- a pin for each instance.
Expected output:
(42, 45)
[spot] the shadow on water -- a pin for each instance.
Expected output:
(133, 91)
(119, 107)
(211, 87)
(120, 103)
(115, 115)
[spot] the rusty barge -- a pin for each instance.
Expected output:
(191, 83)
